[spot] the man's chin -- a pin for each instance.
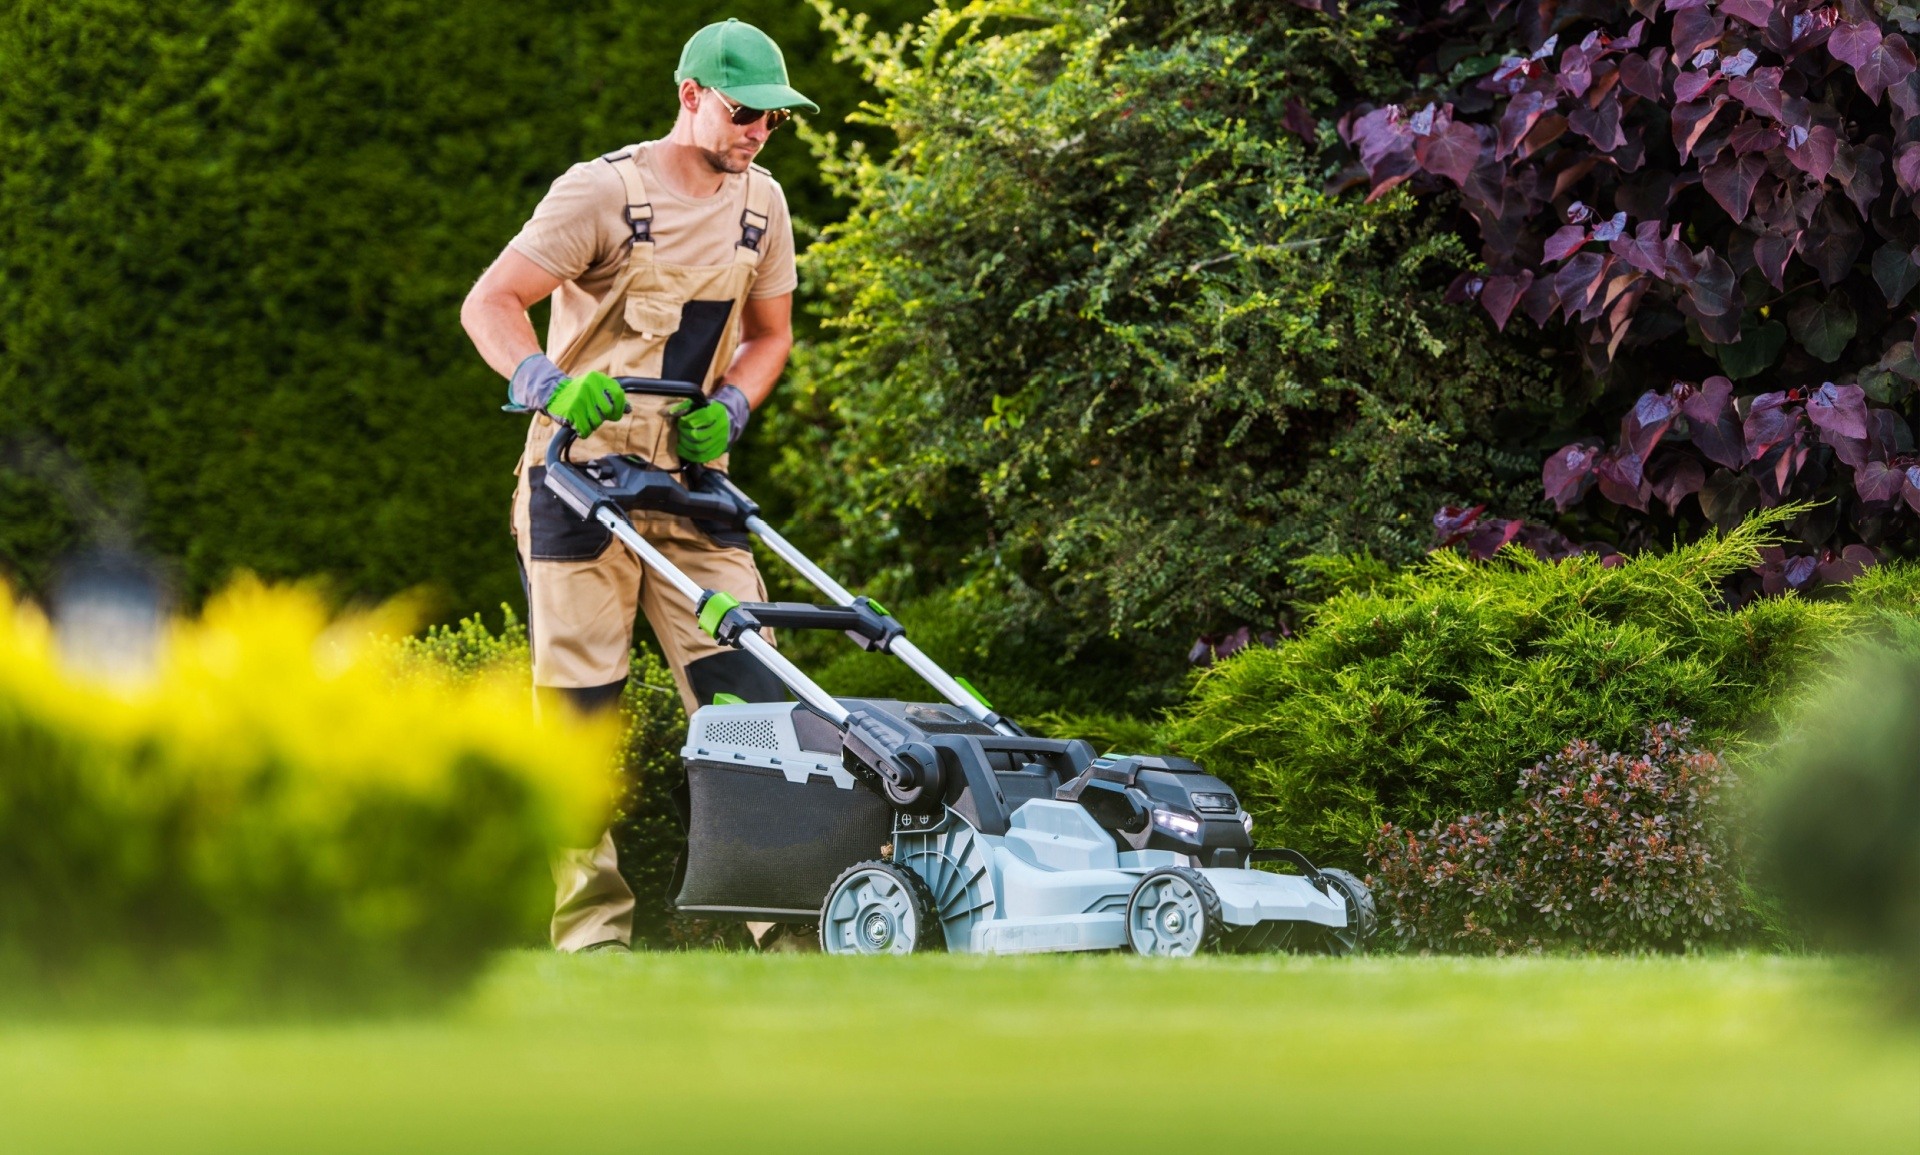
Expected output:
(728, 162)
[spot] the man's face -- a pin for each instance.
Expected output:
(727, 146)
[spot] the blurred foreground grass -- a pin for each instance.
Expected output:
(712, 1051)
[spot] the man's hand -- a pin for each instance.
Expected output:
(586, 403)
(705, 432)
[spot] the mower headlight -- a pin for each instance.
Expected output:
(1246, 820)
(1185, 825)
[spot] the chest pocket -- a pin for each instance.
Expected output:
(690, 351)
(653, 314)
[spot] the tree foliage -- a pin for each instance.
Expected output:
(1095, 336)
(1705, 193)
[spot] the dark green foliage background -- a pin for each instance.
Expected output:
(234, 237)
(1096, 340)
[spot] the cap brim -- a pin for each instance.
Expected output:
(768, 96)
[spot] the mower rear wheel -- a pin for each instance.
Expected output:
(1361, 916)
(878, 908)
(1174, 913)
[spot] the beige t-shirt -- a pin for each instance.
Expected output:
(579, 233)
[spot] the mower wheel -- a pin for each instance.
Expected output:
(1361, 917)
(878, 908)
(1174, 912)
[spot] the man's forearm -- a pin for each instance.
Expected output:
(500, 330)
(757, 364)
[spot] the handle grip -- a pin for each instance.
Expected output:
(659, 387)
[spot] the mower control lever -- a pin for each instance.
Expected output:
(660, 387)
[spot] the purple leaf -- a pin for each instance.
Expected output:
(1714, 427)
(1755, 135)
(1454, 522)
(1645, 250)
(1600, 125)
(1739, 64)
(1641, 75)
(1859, 170)
(1523, 111)
(1754, 12)
(1646, 423)
(1850, 564)
(1565, 241)
(1731, 181)
(1450, 153)
(1811, 150)
(1770, 254)
(1297, 120)
(1695, 29)
(1690, 122)
(1577, 280)
(1611, 228)
(1674, 476)
(1853, 43)
(1491, 536)
(1877, 482)
(1568, 474)
(1769, 422)
(1622, 479)
(1840, 410)
(1385, 145)
(1890, 63)
(1689, 85)
(1910, 487)
(1501, 293)
(1906, 168)
(1832, 242)
(1759, 91)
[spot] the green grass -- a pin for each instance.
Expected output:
(937, 1053)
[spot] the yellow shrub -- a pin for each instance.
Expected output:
(283, 813)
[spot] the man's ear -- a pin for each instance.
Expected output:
(689, 96)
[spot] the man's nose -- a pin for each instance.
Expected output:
(757, 131)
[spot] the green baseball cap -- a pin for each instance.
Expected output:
(743, 63)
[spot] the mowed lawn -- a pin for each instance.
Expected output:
(735, 1052)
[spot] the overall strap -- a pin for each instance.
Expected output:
(754, 219)
(638, 212)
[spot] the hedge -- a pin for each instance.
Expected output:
(234, 238)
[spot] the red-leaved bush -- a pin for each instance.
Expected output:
(1599, 851)
(1706, 191)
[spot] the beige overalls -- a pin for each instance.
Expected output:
(680, 322)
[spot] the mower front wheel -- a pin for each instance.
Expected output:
(1174, 913)
(1362, 919)
(878, 908)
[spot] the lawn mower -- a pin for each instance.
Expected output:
(908, 826)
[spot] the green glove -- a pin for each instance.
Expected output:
(586, 403)
(705, 432)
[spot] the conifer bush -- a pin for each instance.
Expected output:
(1417, 696)
(279, 817)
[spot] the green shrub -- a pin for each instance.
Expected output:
(1595, 850)
(1418, 697)
(1094, 331)
(280, 818)
(1842, 831)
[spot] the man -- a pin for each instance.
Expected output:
(674, 259)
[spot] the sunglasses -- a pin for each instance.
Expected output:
(741, 115)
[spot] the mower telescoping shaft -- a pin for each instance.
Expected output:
(805, 688)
